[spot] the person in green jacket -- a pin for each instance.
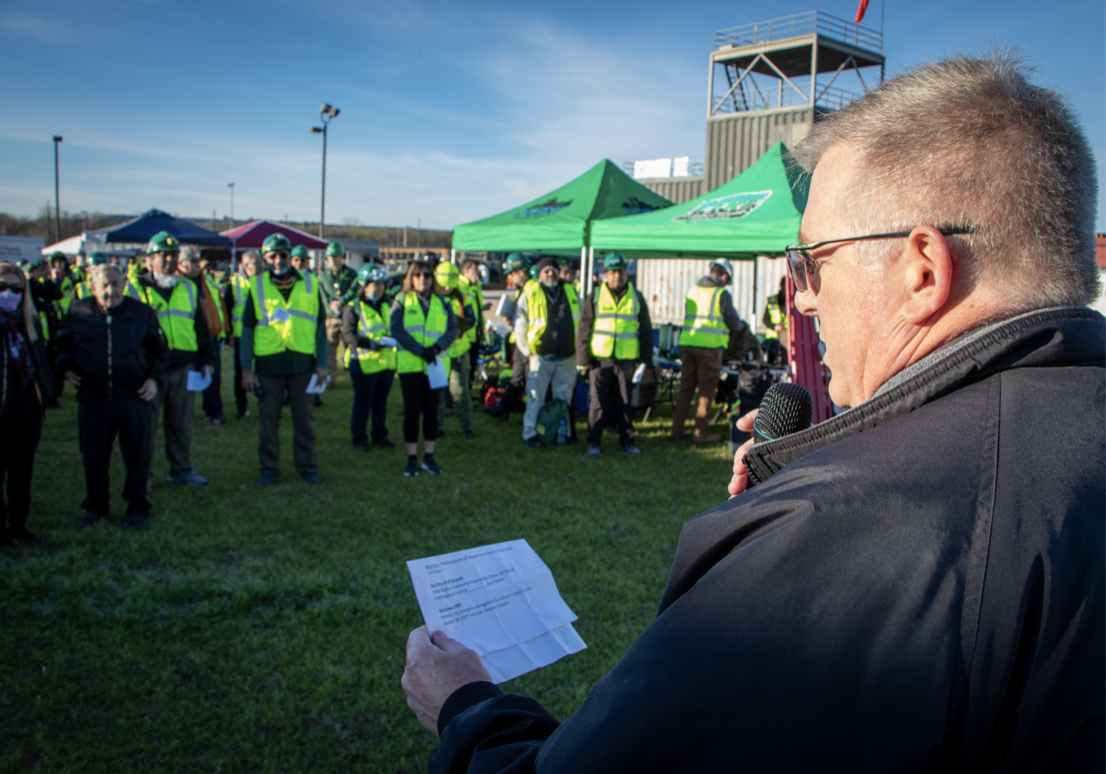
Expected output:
(339, 287)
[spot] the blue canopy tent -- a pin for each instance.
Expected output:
(142, 228)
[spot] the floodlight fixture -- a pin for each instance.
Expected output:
(57, 192)
(327, 113)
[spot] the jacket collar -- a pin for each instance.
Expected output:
(1045, 337)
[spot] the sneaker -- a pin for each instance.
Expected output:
(711, 438)
(385, 442)
(412, 468)
(241, 413)
(533, 442)
(136, 521)
(629, 448)
(318, 401)
(190, 477)
(430, 466)
(364, 447)
(593, 450)
(89, 519)
(267, 479)
(218, 419)
(311, 478)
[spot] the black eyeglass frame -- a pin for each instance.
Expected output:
(810, 266)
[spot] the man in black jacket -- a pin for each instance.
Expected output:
(918, 583)
(112, 349)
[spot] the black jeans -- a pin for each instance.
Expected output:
(419, 401)
(18, 444)
(610, 399)
(98, 423)
(240, 399)
(370, 394)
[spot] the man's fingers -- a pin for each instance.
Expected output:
(745, 423)
(417, 640)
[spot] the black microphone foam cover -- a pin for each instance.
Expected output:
(785, 409)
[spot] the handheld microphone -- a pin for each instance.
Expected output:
(785, 409)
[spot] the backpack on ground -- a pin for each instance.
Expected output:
(553, 421)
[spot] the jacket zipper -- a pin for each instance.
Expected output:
(109, 357)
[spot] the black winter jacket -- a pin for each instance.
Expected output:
(112, 353)
(916, 585)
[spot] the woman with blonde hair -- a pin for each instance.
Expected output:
(28, 385)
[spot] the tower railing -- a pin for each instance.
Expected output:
(807, 23)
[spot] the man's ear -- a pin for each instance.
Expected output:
(929, 272)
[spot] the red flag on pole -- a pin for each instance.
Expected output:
(860, 9)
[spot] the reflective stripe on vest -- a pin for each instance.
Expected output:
(425, 329)
(476, 297)
(703, 322)
(537, 310)
(616, 329)
(238, 284)
(375, 326)
(461, 344)
(177, 316)
(216, 299)
(284, 325)
(776, 316)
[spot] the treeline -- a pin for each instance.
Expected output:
(73, 223)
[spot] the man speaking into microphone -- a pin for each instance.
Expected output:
(916, 584)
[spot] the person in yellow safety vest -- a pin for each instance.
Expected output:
(615, 335)
(545, 332)
(460, 370)
(470, 284)
(301, 260)
(176, 300)
(80, 267)
(517, 268)
(234, 300)
(775, 321)
(567, 271)
(188, 265)
(44, 293)
(370, 357)
(283, 345)
(64, 278)
(424, 326)
(709, 316)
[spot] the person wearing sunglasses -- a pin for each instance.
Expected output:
(423, 325)
(919, 582)
(28, 387)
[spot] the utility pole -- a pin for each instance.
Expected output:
(231, 187)
(327, 113)
(57, 192)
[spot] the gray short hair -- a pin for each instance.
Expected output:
(189, 252)
(970, 141)
(104, 272)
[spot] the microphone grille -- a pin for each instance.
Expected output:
(785, 409)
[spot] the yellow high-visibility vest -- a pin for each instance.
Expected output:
(284, 325)
(616, 329)
(216, 299)
(461, 344)
(84, 290)
(177, 316)
(374, 326)
(703, 322)
(240, 285)
(537, 310)
(776, 315)
(475, 297)
(425, 329)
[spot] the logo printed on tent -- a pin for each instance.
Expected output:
(729, 207)
(635, 206)
(548, 208)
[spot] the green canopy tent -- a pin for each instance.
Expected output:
(756, 213)
(561, 221)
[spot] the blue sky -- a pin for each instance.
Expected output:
(450, 111)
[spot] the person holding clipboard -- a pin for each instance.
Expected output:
(423, 326)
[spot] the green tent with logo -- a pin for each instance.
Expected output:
(756, 213)
(560, 222)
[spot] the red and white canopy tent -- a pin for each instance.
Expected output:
(253, 234)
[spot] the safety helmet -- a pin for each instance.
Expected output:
(724, 265)
(447, 275)
(614, 262)
(299, 251)
(514, 262)
(56, 255)
(96, 258)
(163, 242)
(534, 271)
(335, 248)
(563, 261)
(372, 272)
(274, 243)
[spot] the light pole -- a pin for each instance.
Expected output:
(231, 187)
(327, 113)
(57, 192)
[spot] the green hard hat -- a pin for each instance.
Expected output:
(57, 254)
(534, 271)
(335, 248)
(614, 262)
(562, 261)
(372, 272)
(275, 243)
(514, 262)
(299, 251)
(96, 258)
(447, 275)
(163, 242)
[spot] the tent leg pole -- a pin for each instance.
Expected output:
(452, 256)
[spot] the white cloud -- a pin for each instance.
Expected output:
(32, 26)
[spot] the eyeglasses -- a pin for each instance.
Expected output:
(6, 286)
(803, 267)
(423, 274)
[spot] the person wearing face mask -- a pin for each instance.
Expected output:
(188, 265)
(234, 300)
(545, 332)
(371, 362)
(112, 349)
(28, 387)
(176, 300)
(424, 326)
(283, 345)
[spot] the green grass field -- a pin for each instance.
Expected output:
(263, 630)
